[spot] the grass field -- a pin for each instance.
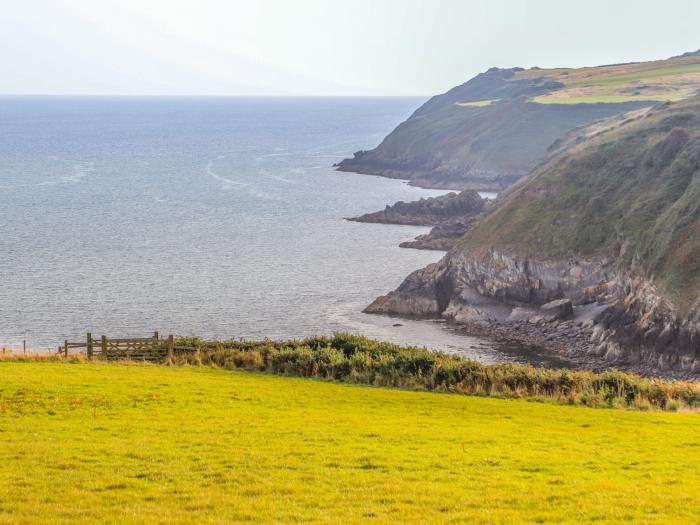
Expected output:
(152, 444)
(660, 80)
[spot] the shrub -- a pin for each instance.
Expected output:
(355, 359)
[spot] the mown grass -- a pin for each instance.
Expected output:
(116, 443)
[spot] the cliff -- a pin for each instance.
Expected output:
(491, 131)
(609, 226)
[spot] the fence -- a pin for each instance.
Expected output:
(14, 348)
(140, 348)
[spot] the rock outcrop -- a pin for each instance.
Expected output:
(587, 308)
(451, 215)
(442, 236)
(430, 211)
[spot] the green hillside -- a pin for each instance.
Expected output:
(114, 443)
(492, 130)
(633, 188)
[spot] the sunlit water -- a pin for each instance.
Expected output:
(217, 217)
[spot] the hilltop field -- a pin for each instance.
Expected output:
(139, 443)
(659, 80)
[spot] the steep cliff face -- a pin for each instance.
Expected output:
(492, 130)
(611, 223)
(623, 317)
(643, 326)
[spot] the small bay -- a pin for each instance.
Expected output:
(217, 217)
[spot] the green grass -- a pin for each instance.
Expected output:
(608, 99)
(355, 359)
(478, 103)
(635, 74)
(661, 80)
(636, 183)
(107, 443)
(461, 139)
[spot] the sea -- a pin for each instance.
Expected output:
(216, 217)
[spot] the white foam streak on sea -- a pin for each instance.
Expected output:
(213, 217)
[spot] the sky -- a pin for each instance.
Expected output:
(315, 47)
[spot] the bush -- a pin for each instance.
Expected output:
(355, 359)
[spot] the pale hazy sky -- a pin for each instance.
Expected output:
(314, 47)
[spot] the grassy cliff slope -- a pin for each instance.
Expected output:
(632, 190)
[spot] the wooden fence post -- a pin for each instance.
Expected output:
(171, 346)
(65, 347)
(156, 335)
(24, 346)
(89, 345)
(104, 346)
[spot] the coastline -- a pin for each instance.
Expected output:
(421, 180)
(576, 341)
(449, 216)
(238, 237)
(549, 346)
(566, 342)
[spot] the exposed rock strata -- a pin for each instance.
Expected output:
(616, 317)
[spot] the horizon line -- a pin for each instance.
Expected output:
(63, 95)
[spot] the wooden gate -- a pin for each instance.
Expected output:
(134, 349)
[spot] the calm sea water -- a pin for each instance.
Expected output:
(218, 217)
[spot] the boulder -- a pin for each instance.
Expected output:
(555, 310)
(419, 294)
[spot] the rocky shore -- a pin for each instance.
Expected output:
(574, 342)
(584, 310)
(442, 236)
